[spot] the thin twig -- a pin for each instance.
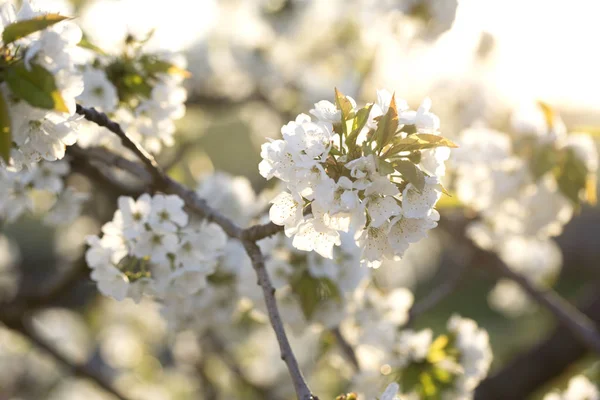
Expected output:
(258, 262)
(346, 348)
(81, 370)
(164, 183)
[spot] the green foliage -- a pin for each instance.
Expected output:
(571, 176)
(153, 65)
(387, 126)
(86, 44)
(358, 123)
(418, 141)
(544, 159)
(20, 29)
(311, 291)
(410, 172)
(5, 130)
(35, 85)
(427, 378)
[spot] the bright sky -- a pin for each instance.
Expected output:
(547, 49)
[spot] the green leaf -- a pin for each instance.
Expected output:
(436, 351)
(86, 44)
(419, 141)
(387, 125)
(571, 176)
(441, 375)
(36, 86)
(359, 122)
(312, 291)
(5, 130)
(549, 114)
(411, 173)
(385, 168)
(18, 30)
(343, 104)
(153, 65)
(428, 385)
(543, 160)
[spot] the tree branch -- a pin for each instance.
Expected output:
(564, 312)
(549, 358)
(346, 348)
(81, 370)
(163, 182)
(567, 315)
(258, 262)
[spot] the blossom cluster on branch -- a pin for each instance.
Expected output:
(373, 170)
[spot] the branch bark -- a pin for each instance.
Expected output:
(81, 370)
(287, 355)
(540, 364)
(161, 181)
(567, 315)
(346, 348)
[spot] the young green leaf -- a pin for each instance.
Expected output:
(36, 86)
(86, 44)
(5, 130)
(543, 160)
(571, 176)
(312, 291)
(343, 104)
(411, 173)
(156, 66)
(420, 141)
(359, 122)
(20, 29)
(387, 126)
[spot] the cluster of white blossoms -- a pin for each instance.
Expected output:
(525, 186)
(143, 92)
(41, 83)
(449, 366)
(580, 388)
(374, 171)
(150, 247)
(20, 189)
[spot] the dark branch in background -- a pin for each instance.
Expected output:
(161, 181)
(231, 363)
(346, 348)
(439, 293)
(567, 315)
(81, 370)
(548, 359)
(49, 295)
(209, 391)
(564, 312)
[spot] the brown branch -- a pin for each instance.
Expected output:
(564, 312)
(346, 348)
(567, 315)
(163, 182)
(258, 262)
(531, 369)
(77, 369)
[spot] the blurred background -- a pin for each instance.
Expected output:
(255, 64)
